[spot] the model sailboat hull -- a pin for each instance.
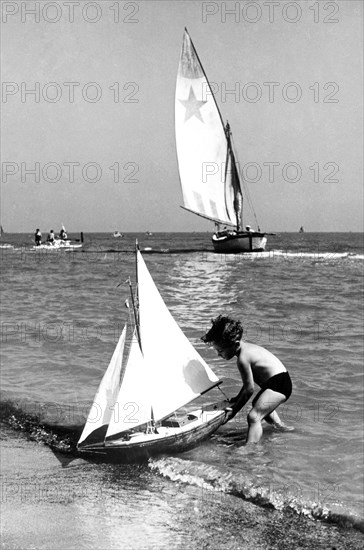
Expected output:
(169, 439)
(232, 242)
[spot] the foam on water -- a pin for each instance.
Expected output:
(213, 478)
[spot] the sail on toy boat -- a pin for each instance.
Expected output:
(134, 419)
(208, 171)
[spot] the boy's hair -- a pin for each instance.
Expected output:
(224, 331)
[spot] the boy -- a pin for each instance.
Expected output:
(255, 364)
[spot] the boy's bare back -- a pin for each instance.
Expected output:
(262, 362)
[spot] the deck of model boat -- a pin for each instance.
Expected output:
(166, 437)
(165, 432)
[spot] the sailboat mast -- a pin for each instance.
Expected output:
(235, 179)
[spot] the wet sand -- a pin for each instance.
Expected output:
(49, 504)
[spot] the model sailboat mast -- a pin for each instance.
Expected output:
(135, 304)
(136, 307)
(151, 423)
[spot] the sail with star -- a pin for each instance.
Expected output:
(208, 171)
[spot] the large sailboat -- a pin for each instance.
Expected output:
(209, 175)
(136, 411)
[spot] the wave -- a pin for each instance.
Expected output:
(276, 254)
(213, 478)
(59, 438)
(150, 250)
(207, 252)
(62, 440)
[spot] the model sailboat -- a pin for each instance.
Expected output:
(208, 170)
(133, 415)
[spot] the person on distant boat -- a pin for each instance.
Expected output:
(38, 237)
(63, 234)
(223, 233)
(256, 365)
(249, 229)
(51, 237)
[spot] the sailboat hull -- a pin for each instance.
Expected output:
(233, 243)
(169, 440)
(56, 245)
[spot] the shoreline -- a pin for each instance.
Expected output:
(89, 505)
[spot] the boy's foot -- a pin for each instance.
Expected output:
(283, 427)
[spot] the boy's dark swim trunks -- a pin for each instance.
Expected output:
(280, 382)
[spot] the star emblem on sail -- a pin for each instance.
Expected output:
(192, 106)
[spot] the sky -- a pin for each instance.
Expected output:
(87, 123)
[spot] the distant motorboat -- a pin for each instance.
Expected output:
(4, 245)
(148, 233)
(117, 234)
(301, 229)
(56, 245)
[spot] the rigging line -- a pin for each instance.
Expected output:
(246, 190)
(224, 394)
(248, 198)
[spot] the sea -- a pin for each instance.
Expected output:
(62, 312)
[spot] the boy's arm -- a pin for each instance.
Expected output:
(247, 390)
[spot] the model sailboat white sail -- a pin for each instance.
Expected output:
(163, 372)
(208, 172)
(102, 408)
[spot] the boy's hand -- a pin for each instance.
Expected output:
(233, 399)
(229, 414)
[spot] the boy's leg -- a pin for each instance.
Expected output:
(267, 402)
(273, 418)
